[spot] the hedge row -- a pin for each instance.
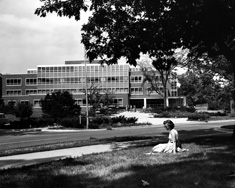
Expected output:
(76, 122)
(198, 117)
(99, 122)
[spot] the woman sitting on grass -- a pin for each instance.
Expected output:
(173, 144)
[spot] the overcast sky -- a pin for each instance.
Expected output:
(27, 40)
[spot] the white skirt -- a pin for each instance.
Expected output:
(166, 148)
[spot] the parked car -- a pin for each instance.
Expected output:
(3, 120)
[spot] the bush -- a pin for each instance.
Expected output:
(118, 119)
(163, 114)
(131, 120)
(125, 120)
(94, 126)
(160, 110)
(100, 121)
(71, 122)
(198, 116)
(45, 121)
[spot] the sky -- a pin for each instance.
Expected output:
(27, 40)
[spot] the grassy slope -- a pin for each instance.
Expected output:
(207, 164)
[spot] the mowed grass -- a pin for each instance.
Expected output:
(208, 164)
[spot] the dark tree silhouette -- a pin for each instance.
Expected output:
(60, 105)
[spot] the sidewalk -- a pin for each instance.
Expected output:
(17, 161)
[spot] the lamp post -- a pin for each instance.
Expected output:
(87, 110)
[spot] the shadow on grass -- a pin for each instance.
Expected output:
(207, 164)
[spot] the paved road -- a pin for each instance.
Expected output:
(33, 138)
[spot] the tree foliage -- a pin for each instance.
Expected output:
(203, 88)
(23, 110)
(96, 97)
(119, 28)
(161, 66)
(8, 108)
(60, 105)
(126, 28)
(70, 8)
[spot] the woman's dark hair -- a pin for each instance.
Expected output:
(169, 123)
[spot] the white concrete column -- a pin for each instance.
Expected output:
(145, 103)
(167, 102)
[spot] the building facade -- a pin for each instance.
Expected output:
(124, 82)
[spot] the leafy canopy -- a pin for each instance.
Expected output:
(201, 87)
(60, 105)
(23, 110)
(150, 25)
(127, 28)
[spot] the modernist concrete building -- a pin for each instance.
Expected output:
(123, 81)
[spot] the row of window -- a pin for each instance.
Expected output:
(15, 92)
(46, 81)
(139, 91)
(94, 68)
(36, 102)
(79, 101)
(136, 79)
(135, 69)
(31, 71)
(134, 91)
(18, 81)
(14, 82)
(116, 101)
(33, 81)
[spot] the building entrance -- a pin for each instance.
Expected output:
(138, 103)
(155, 103)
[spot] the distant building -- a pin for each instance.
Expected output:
(123, 81)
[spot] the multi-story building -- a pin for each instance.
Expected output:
(124, 82)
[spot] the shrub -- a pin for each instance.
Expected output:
(100, 120)
(131, 120)
(123, 119)
(198, 116)
(118, 119)
(163, 114)
(94, 125)
(46, 121)
(71, 122)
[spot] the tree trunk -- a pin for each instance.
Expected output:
(233, 103)
(230, 56)
(233, 132)
(233, 98)
(165, 97)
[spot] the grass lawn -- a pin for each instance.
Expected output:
(208, 164)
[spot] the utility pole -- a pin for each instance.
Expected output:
(87, 110)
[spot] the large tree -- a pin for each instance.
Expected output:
(60, 105)
(203, 88)
(157, 75)
(124, 28)
(23, 110)
(98, 97)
